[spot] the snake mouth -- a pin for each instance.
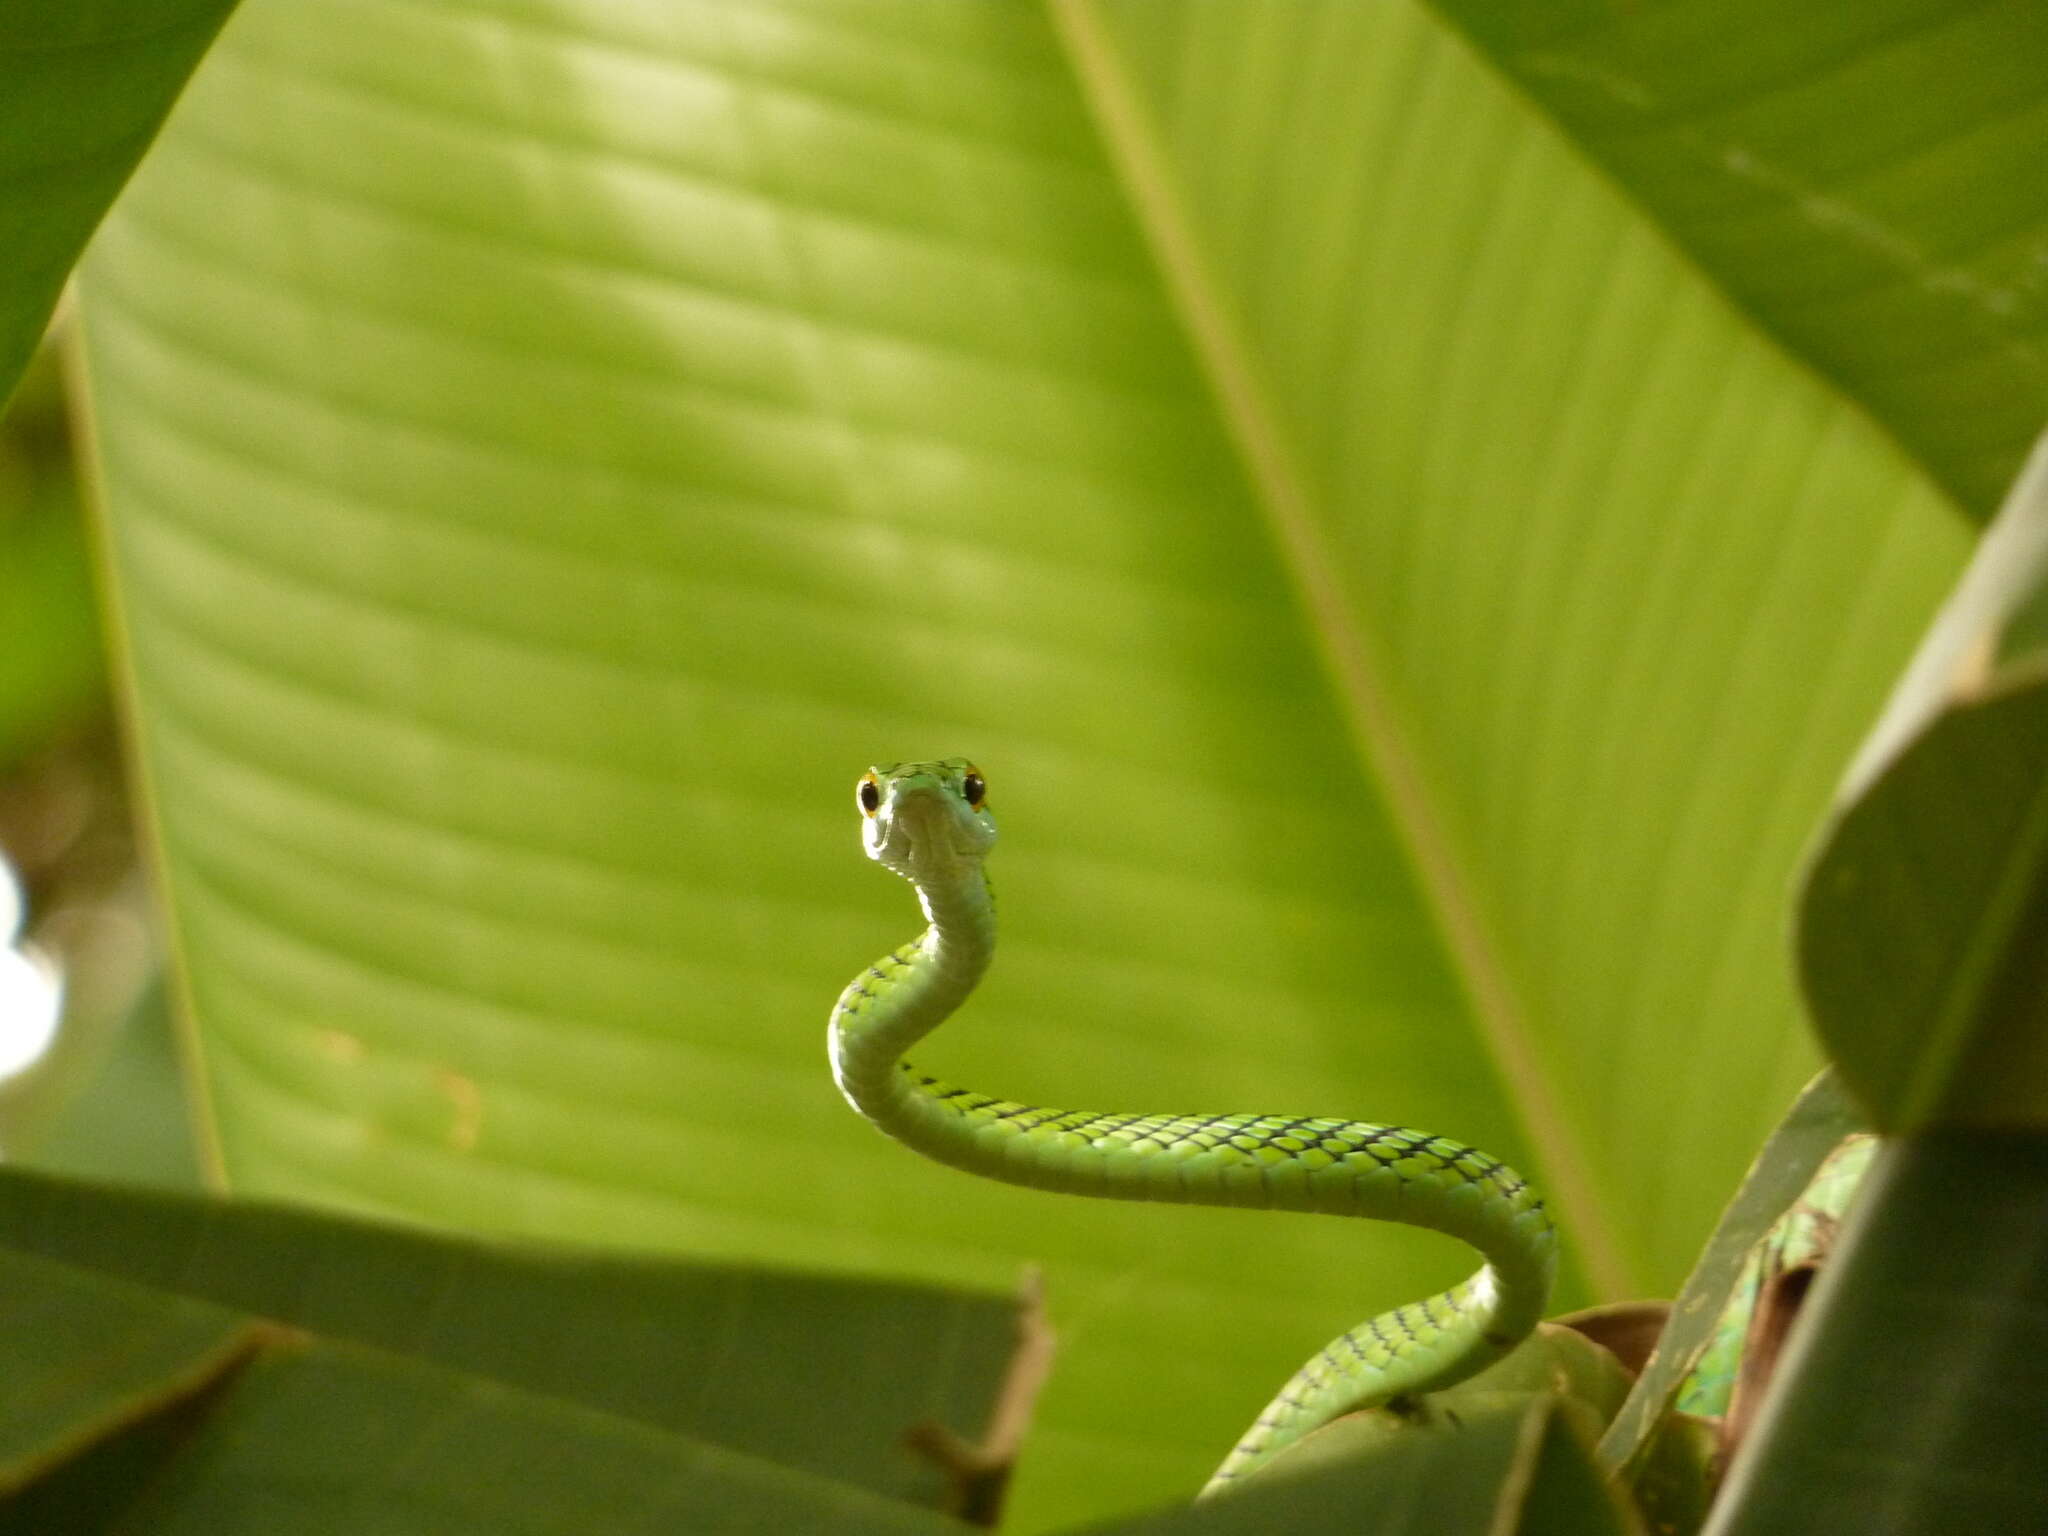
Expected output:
(922, 815)
(923, 822)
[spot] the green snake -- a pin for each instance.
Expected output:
(930, 823)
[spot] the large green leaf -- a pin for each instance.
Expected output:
(83, 90)
(828, 1375)
(1597, 574)
(1409, 615)
(179, 1426)
(340, 1441)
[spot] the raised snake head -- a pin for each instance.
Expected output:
(925, 821)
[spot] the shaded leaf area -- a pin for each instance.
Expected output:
(93, 1489)
(86, 1356)
(1609, 585)
(550, 451)
(83, 90)
(1771, 1291)
(66, 825)
(1813, 1128)
(1627, 1330)
(1513, 1469)
(307, 1436)
(1912, 1401)
(1924, 933)
(1558, 1358)
(1863, 179)
(829, 1376)
(1674, 1480)
(1923, 921)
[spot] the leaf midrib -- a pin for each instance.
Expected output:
(1351, 657)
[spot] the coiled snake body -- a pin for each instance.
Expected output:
(930, 823)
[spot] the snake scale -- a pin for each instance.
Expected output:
(930, 823)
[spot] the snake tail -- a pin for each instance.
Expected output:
(930, 823)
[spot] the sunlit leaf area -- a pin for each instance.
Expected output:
(1453, 537)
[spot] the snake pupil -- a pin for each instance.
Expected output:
(973, 788)
(870, 796)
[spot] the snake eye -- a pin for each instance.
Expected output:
(869, 794)
(972, 788)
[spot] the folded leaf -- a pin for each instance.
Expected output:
(1923, 919)
(828, 1375)
(312, 1437)
(1912, 1398)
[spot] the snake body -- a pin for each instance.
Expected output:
(930, 823)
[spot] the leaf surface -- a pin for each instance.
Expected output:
(1604, 583)
(317, 1437)
(827, 1375)
(1408, 612)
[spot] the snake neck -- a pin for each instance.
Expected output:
(910, 991)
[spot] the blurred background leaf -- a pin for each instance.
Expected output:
(1608, 584)
(67, 846)
(83, 92)
(1410, 601)
(127, 1116)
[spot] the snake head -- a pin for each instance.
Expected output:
(925, 820)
